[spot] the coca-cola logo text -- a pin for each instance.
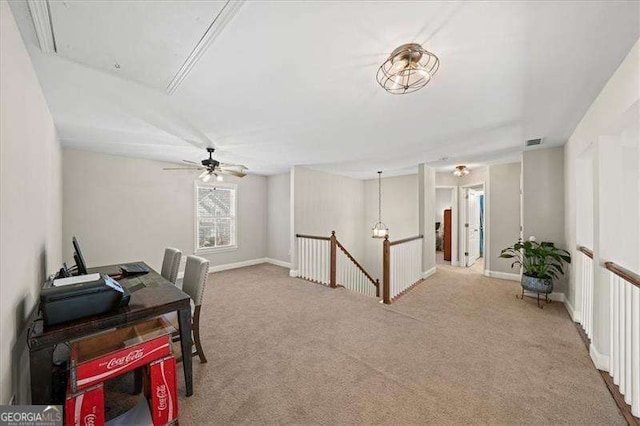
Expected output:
(90, 420)
(161, 393)
(125, 360)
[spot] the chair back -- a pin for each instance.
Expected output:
(171, 264)
(195, 278)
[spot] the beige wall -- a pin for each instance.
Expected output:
(399, 213)
(607, 140)
(324, 202)
(278, 213)
(543, 198)
(125, 209)
(30, 203)
(503, 215)
(427, 215)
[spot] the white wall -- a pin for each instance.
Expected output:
(543, 198)
(30, 203)
(609, 129)
(399, 213)
(125, 209)
(324, 202)
(426, 216)
(278, 213)
(502, 224)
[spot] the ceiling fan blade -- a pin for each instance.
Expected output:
(190, 162)
(182, 168)
(231, 172)
(240, 166)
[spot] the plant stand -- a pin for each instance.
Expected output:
(546, 298)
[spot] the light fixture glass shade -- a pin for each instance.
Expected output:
(206, 177)
(380, 230)
(409, 68)
(461, 171)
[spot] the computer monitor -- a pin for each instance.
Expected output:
(77, 256)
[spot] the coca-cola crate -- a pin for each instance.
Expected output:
(115, 352)
(162, 393)
(85, 408)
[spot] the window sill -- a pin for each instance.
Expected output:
(213, 250)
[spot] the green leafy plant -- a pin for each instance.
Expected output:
(541, 260)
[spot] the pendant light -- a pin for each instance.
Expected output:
(380, 230)
(461, 171)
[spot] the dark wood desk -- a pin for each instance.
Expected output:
(151, 296)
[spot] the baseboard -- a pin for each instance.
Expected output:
(576, 316)
(278, 262)
(599, 360)
(294, 273)
(556, 297)
(235, 265)
(502, 275)
(428, 273)
(455, 263)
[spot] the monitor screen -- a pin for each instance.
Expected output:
(77, 255)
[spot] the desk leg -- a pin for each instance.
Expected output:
(184, 321)
(41, 365)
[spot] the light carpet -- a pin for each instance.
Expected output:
(458, 348)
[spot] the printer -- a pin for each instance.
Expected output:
(71, 298)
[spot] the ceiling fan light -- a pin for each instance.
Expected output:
(219, 178)
(409, 68)
(203, 174)
(206, 178)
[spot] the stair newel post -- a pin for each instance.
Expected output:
(386, 270)
(333, 267)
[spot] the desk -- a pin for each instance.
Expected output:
(151, 296)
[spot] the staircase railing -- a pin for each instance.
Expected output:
(401, 266)
(319, 260)
(624, 323)
(586, 280)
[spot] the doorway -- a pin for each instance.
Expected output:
(446, 221)
(474, 227)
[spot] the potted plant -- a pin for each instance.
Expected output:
(541, 263)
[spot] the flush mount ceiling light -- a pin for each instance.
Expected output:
(409, 68)
(461, 171)
(380, 230)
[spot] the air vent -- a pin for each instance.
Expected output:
(533, 142)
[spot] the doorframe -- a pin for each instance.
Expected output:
(463, 219)
(454, 224)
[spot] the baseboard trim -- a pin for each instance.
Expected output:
(601, 361)
(278, 262)
(235, 265)
(428, 273)
(294, 273)
(502, 275)
(576, 316)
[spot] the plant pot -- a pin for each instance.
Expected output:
(537, 285)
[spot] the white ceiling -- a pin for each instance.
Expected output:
(293, 83)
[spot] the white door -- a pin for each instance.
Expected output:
(473, 228)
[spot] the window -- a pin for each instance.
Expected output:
(215, 217)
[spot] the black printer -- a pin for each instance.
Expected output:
(82, 296)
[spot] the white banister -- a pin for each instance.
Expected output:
(402, 266)
(313, 259)
(624, 341)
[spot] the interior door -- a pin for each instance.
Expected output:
(473, 230)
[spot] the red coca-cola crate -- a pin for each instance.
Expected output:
(162, 396)
(115, 352)
(85, 408)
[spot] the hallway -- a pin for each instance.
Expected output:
(458, 348)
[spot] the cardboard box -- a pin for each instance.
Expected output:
(85, 408)
(115, 352)
(163, 397)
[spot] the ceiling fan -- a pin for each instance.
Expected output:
(211, 167)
